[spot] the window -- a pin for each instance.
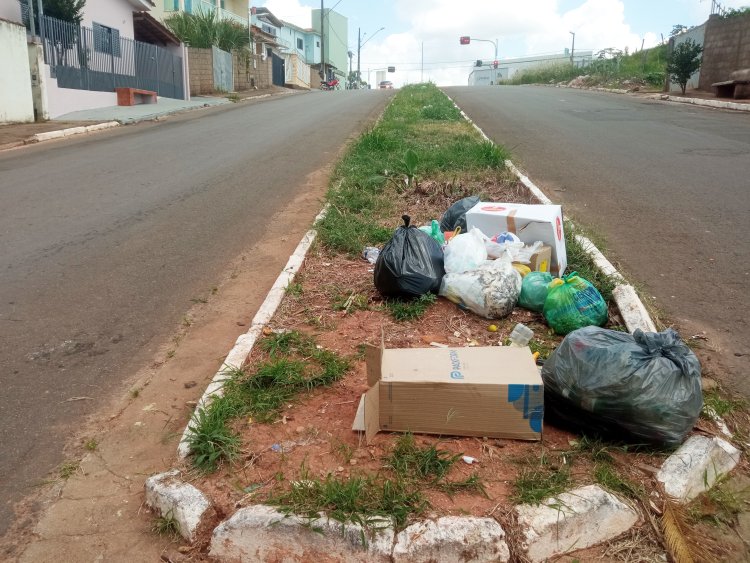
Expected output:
(300, 45)
(106, 40)
(317, 43)
(269, 51)
(268, 29)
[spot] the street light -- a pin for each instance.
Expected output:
(573, 47)
(359, 48)
(466, 40)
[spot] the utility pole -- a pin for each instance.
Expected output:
(572, 47)
(359, 49)
(421, 75)
(323, 74)
(31, 19)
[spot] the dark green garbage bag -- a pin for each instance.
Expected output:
(572, 303)
(534, 291)
(640, 388)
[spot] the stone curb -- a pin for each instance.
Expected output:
(631, 307)
(69, 132)
(717, 104)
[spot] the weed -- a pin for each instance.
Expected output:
(187, 322)
(532, 486)
(166, 525)
(134, 392)
(91, 444)
(410, 310)
(351, 302)
(365, 499)
(594, 447)
(407, 459)
(720, 505)
(286, 343)
(470, 484)
(69, 468)
(580, 261)
(294, 289)
(608, 477)
(199, 300)
(170, 354)
(344, 451)
(720, 405)
(211, 440)
(544, 349)
(233, 97)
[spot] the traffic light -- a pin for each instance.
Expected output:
(465, 40)
(495, 64)
(478, 63)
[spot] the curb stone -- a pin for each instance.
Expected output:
(169, 496)
(574, 520)
(696, 466)
(452, 538)
(262, 533)
(631, 307)
(69, 132)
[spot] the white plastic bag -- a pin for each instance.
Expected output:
(516, 251)
(490, 291)
(465, 252)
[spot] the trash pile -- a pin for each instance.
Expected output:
(489, 258)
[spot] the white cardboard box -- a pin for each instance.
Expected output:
(529, 222)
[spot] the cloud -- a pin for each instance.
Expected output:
(289, 10)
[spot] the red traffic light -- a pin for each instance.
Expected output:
(465, 40)
(495, 64)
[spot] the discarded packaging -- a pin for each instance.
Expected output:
(410, 264)
(531, 223)
(455, 216)
(521, 335)
(573, 303)
(534, 290)
(434, 231)
(540, 259)
(492, 391)
(644, 387)
(465, 252)
(490, 291)
(371, 253)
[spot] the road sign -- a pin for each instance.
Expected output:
(391, 69)
(465, 40)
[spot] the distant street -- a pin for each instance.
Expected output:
(667, 184)
(108, 239)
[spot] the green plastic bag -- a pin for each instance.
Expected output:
(434, 231)
(573, 303)
(534, 291)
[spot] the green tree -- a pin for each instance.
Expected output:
(677, 29)
(204, 29)
(684, 60)
(65, 10)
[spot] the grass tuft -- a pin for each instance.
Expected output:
(403, 310)
(407, 459)
(166, 525)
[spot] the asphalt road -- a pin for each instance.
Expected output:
(106, 239)
(668, 185)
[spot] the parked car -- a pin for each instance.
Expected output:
(386, 85)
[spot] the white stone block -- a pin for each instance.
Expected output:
(696, 466)
(452, 539)
(168, 495)
(574, 520)
(261, 533)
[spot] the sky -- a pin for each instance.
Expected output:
(520, 28)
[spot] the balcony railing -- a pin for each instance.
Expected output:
(206, 7)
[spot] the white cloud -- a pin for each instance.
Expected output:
(289, 10)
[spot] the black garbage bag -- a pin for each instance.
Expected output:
(639, 388)
(455, 216)
(410, 264)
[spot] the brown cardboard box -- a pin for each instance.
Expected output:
(492, 391)
(541, 260)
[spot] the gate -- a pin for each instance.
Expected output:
(223, 75)
(279, 71)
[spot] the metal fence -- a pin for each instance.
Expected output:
(99, 59)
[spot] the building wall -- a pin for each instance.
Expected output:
(66, 100)
(16, 102)
(336, 33)
(10, 11)
(726, 48)
(697, 34)
(117, 14)
(201, 64)
(509, 67)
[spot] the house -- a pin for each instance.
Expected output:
(335, 30)
(118, 44)
(235, 10)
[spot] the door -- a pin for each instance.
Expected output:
(279, 72)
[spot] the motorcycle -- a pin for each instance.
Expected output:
(332, 84)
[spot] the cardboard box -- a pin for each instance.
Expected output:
(541, 260)
(493, 391)
(529, 222)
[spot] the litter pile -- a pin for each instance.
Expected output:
(489, 258)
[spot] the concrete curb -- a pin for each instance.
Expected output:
(236, 357)
(60, 133)
(716, 104)
(631, 308)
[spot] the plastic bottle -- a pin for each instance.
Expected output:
(521, 335)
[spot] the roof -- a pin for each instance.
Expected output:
(266, 14)
(148, 29)
(298, 28)
(258, 33)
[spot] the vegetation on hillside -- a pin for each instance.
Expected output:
(610, 67)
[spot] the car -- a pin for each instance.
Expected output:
(386, 85)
